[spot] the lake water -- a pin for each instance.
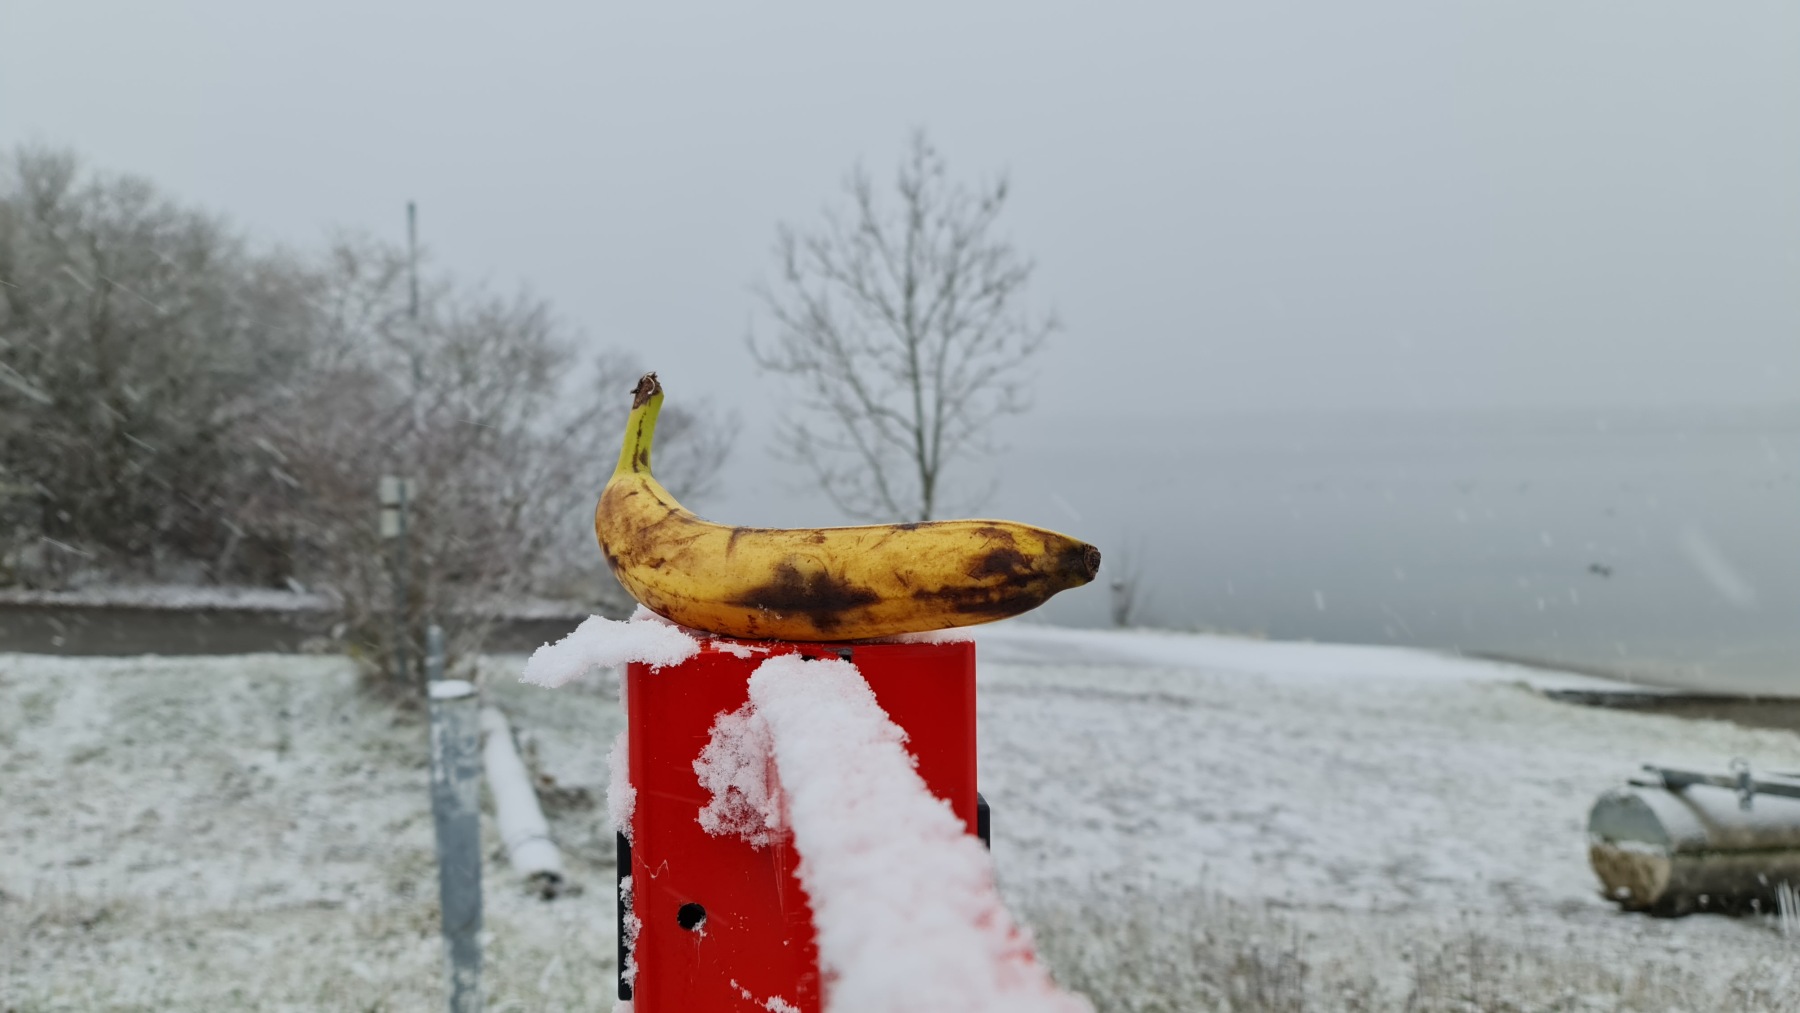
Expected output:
(1663, 545)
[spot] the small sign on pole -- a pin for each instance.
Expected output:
(396, 493)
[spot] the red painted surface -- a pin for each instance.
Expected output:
(758, 929)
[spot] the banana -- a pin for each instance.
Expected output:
(818, 584)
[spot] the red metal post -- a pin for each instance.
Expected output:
(724, 925)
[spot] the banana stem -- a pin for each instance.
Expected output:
(640, 428)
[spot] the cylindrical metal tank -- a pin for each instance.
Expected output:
(1674, 851)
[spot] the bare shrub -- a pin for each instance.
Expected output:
(468, 400)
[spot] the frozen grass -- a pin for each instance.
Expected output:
(1184, 952)
(67, 953)
(249, 833)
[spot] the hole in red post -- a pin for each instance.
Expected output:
(690, 916)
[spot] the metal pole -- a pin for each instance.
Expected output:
(412, 258)
(402, 617)
(403, 636)
(455, 808)
(412, 306)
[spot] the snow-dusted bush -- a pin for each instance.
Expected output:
(136, 337)
(469, 399)
(174, 406)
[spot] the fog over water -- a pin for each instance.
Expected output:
(1661, 544)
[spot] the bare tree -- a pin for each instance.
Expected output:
(470, 401)
(900, 325)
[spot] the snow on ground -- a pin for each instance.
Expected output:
(249, 832)
(1376, 798)
(1187, 822)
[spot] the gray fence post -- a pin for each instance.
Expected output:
(456, 809)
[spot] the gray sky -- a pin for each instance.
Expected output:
(1233, 206)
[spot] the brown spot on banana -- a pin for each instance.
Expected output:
(997, 602)
(1003, 562)
(995, 533)
(824, 599)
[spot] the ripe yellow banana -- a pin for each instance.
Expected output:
(818, 584)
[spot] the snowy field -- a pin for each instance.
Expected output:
(1188, 823)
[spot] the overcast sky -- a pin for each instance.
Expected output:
(1232, 206)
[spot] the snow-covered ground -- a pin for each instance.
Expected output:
(1377, 812)
(251, 833)
(1188, 823)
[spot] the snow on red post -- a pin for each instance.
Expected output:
(724, 924)
(903, 897)
(847, 792)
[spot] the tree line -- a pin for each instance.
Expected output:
(178, 404)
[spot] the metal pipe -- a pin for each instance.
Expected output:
(523, 830)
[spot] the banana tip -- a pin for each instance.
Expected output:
(1090, 561)
(646, 388)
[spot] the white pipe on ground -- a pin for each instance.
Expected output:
(523, 829)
